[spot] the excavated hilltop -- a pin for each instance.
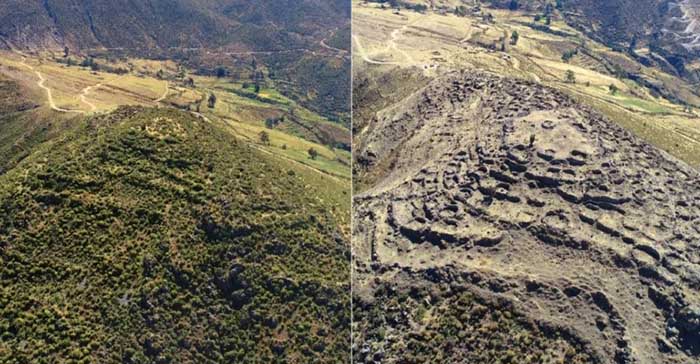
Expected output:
(507, 223)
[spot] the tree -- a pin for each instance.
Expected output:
(613, 89)
(514, 37)
(421, 8)
(619, 71)
(264, 137)
(548, 9)
(570, 76)
(212, 101)
(221, 72)
(513, 5)
(87, 62)
(633, 46)
(66, 52)
(273, 122)
(257, 88)
(313, 153)
(568, 55)
(461, 10)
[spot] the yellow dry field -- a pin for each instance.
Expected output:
(407, 39)
(79, 90)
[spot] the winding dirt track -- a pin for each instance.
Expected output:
(391, 46)
(366, 58)
(165, 94)
(49, 93)
(83, 96)
(85, 92)
(324, 45)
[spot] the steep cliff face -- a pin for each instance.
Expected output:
(506, 196)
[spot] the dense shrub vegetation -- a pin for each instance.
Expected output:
(151, 236)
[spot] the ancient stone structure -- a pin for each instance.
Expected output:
(509, 189)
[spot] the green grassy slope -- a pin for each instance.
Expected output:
(151, 236)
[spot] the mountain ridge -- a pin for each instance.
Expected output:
(84, 24)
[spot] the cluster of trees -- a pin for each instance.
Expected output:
(256, 78)
(90, 62)
(548, 12)
(221, 72)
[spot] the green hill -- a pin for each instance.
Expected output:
(152, 236)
